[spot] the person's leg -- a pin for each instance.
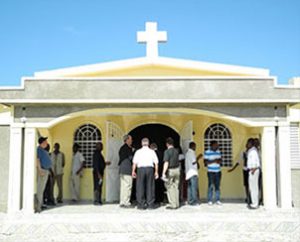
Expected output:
(51, 190)
(100, 193)
(210, 186)
(96, 184)
(41, 184)
(174, 188)
(140, 187)
(169, 186)
(194, 190)
(59, 180)
(254, 188)
(150, 186)
(122, 189)
(261, 192)
(218, 176)
(127, 189)
(190, 198)
(46, 197)
(77, 187)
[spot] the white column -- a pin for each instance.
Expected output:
(269, 167)
(285, 186)
(14, 183)
(29, 170)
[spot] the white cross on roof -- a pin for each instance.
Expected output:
(151, 37)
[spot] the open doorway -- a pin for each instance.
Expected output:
(156, 133)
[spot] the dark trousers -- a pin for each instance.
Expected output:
(97, 188)
(48, 192)
(145, 187)
(159, 190)
(246, 185)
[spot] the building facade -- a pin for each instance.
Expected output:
(149, 96)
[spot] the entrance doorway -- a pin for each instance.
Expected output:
(156, 133)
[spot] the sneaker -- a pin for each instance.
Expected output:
(219, 203)
(210, 203)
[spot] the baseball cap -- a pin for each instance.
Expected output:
(42, 139)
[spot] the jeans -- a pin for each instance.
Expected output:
(214, 179)
(193, 190)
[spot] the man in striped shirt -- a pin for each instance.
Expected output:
(213, 159)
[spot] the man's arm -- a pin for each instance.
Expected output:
(156, 170)
(166, 166)
(63, 160)
(80, 169)
(133, 170)
(233, 168)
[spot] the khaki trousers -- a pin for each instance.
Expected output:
(125, 189)
(172, 186)
(41, 184)
(75, 187)
(59, 180)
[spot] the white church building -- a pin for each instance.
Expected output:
(192, 100)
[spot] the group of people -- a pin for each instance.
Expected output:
(50, 170)
(153, 173)
(144, 166)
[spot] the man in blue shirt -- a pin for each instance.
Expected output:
(43, 166)
(213, 159)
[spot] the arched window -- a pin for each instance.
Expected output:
(87, 136)
(222, 135)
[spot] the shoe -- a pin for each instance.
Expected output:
(210, 203)
(74, 200)
(141, 207)
(59, 201)
(44, 206)
(51, 203)
(128, 206)
(154, 206)
(171, 208)
(253, 207)
(194, 204)
(219, 203)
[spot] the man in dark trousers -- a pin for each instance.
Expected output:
(146, 162)
(125, 163)
(98, 172)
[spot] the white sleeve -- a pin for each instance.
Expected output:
(81, 158)
(135, 158)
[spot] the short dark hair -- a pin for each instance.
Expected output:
(251, 141)
(170, 141)
(213, 142)
(76, 146)
(192, 144)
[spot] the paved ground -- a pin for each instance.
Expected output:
(85, 222)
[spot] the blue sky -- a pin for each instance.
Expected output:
(38, 35)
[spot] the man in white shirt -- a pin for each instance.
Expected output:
(191, 174)
(146, 162)
(77, 167)
(253, 165)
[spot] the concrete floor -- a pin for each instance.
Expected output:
(86, 222)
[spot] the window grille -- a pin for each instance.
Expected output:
(222, 135)
(87, 136)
